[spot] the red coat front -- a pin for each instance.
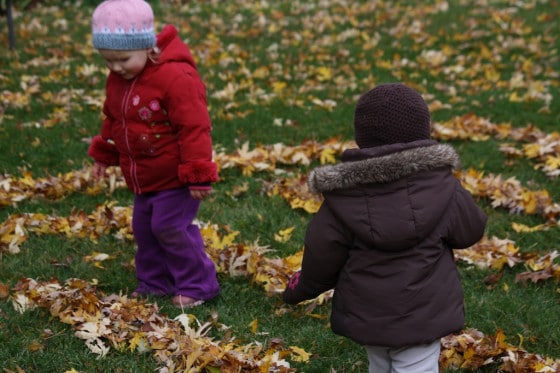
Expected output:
(157, 126)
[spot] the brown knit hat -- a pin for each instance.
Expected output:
(389, 114)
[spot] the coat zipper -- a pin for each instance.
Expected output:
(132, 169)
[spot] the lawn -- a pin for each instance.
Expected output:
(282, 80)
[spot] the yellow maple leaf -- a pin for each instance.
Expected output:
(265, 280)
(254, 326)
(309, 205)
(532, 150)
(514, 97)
(248, 170)
(553, 162)
(522, 228)
(138, 342)
(284, 235)
(211, 235)
(469, 354)
(261, 72)
(491, 74)
(499, 262)
(97, 257)
(299, 354)
(327, 156)
(324, 73)
(293, 261)
(530, 202)
(278, 87)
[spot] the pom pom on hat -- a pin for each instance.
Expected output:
(389, 114)
(123, 25)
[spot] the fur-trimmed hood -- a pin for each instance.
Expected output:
(382, 165)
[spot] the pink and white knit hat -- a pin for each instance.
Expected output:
(123, 25)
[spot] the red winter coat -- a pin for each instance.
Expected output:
(383, 239)
(157, 126)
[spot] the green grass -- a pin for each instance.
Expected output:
(293, 40)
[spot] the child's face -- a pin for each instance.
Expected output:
(126, 63)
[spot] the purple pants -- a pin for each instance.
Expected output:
(171, 258)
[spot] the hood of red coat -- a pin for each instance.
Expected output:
(173, 49)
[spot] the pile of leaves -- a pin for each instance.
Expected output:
(183, 344)
(115, 321)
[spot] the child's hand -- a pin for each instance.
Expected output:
(200, 194)
(98, 171)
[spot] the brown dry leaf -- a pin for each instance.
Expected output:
(492, 280)
(35, 346)
(18, 370)
(239, 190)
(4, 290)
(533, 276)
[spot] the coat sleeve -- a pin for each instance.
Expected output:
(188, 112)
(325, 253)
(467, 221)
(102, 148)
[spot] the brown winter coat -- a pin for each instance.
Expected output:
(383, 239)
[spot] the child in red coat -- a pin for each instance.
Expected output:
(157, 129)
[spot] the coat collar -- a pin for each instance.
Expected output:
(382, 164)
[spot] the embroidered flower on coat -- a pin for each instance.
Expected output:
(136, 100)
(154, 105)
(145, 113)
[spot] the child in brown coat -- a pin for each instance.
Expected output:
(383, 237)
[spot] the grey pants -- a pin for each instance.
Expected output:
(411, 359)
